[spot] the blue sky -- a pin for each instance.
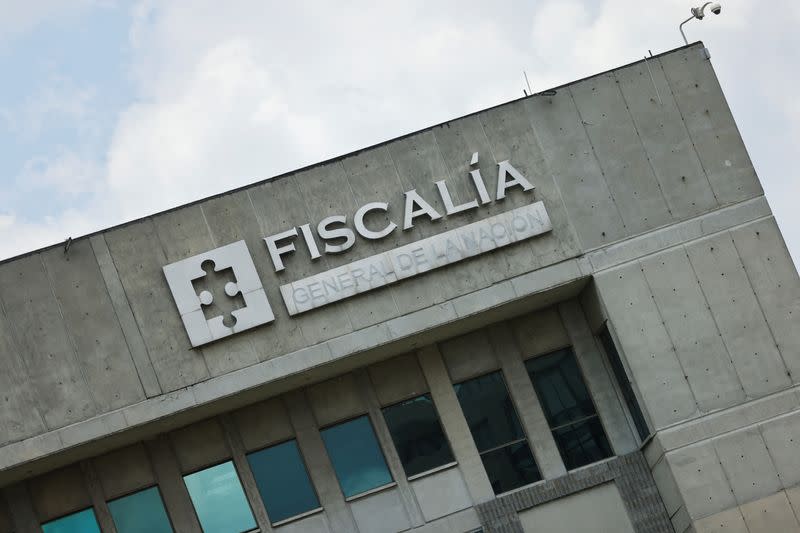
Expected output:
(113, 110)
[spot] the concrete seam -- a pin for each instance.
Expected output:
(97, 497)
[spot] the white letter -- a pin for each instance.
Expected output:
(275, 252)
(504, 169)
(449, 208)
(413, 198)
(477, 179)
(340, 233)
(362, 229)
(310, 242)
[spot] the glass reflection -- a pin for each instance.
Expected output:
(582, 443)
(283, 481)
(140, 512)
(80, 522)
(219, 500)
(418, 435)
(510, 467)
(489, 412)
(356, 456)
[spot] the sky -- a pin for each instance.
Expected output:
(112, 110)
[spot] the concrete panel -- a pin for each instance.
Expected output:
(769, 514)
(327, 190)
(794, 499)
(665, 139)
(263, 424)
(92, 326)
(710, 124)
(53, 372)
(380, 513)
(747, 464)
(279, 206)
(336, 399)
(730, 521)
(58, 493)
(692, 330)
(775, 281)
(596, 510)
(540, 333)
(441, 494)
(511, 138)
(646, 345)
(397, 379)
(573, 163)
(232, 218)
(620, 153)
(468, 356)
(782, 438)
(701, 480)
(138, 258)
(667, 488)
(317, 523)
(20, 417)
(124, 471)
(738, 315)
(172, 487)
(199, 445)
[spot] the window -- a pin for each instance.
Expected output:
(80, 522)
(356, 456)
(219, 500)
(624, 383)
(418, 435)
(568, 408)
(140, 512)
(497, 432)
(283, 481)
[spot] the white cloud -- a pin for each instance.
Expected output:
(64, 173)
(232, 92)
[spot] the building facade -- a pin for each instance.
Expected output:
(571, 312)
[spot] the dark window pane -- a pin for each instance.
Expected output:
(489, 411)
(560, 387)
(80, 522)
(140, 512)
(219, 500)
(582, 443)
(356, 456)
(417, 434)
(510, 467)
(624, 384)
(283, 481)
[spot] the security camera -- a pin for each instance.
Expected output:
(715, 8)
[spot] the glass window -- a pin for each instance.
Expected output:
(624, 384)
(219, 500)
(356, 456)
(140, 512)
(80, 522)
(283, 481)
(568, 408)
(497, 432)
(418, 435)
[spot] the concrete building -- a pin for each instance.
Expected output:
(570, 312)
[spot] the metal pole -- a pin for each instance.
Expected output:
(681, 28)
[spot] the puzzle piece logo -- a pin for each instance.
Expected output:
(210, 314)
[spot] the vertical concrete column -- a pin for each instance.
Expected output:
(98, 497)
(455, 425)
(236, 446)
(173, 489)
(524, 397)
(385, 438)
(598, 379)
(23, 516)
(319, 465)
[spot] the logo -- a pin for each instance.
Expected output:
(218, 293)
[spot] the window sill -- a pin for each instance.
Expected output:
(432, 471)
(370, 491)
(297, 517)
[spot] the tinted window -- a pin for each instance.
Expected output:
(568, 408)
(80, 522)
(418, 435)
(497, 432)
(624, 384)
(141, 512)
(283, 481)
(356, 456)
(219, 500)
